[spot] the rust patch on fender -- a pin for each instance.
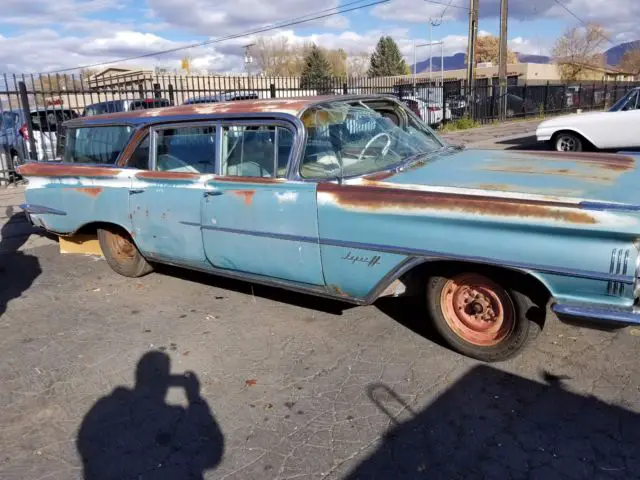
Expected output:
(503, 187)
(378, 177)
(377, 198)
(337, 290)
(159, 175)
(246, 195)
(91, 191)
(35, 169)
(606, 161)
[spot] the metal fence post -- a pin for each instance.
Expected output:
(524, 97)
(545, 105)
(345, 89)
(171, 95)
(26, 110)
(272, 90)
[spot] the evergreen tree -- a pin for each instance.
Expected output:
(387, 60)
(316, 73)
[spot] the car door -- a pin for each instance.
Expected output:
(254, 220)
(167, 189)
(619, 129)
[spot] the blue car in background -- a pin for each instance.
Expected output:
(14, 133)
(354, 198)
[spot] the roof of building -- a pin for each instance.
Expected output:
(291, 106)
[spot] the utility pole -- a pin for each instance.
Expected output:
(248, 60)
(502, 68)
(471, 49)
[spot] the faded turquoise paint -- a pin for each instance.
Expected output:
(356, 272)
(520, 172)
(84, 204)
(163, 214)
(502, 239)
(276, 208)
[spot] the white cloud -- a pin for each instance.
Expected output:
(219, 17)
(621, 17)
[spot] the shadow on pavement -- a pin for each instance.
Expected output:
(524, 143)
(492, 424)
(17, 269)
(135, 434)
(281, 295)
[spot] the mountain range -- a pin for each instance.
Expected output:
(613, 56)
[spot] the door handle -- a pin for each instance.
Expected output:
(134, 192)
(212, 193)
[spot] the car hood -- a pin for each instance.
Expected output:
(573, 119)
(597, 177)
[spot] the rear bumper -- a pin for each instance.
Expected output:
(599, 314)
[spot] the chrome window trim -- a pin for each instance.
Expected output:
(153, 132)
(276, 122)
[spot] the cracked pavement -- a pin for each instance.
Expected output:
(285, 386)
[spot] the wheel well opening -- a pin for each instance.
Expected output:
(525, 282)
(585, 141)
(93, 227)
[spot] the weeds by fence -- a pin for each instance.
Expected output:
(32, 108)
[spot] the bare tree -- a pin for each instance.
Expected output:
(631, 62)
(337, 61)
(273, 56)
(358, 64)
(488, 51)
(579, 50)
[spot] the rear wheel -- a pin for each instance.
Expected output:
(121, 253)
(478, 317)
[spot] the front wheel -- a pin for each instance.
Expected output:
(567, 142)
(478, 317)
(121, 253)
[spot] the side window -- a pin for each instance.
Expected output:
(256, 151)
(95, 144)
(186, 149)
(140, 157)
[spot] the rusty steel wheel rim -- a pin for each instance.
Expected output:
(121, 247)
(477, 309)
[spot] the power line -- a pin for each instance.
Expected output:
(570, 12)
(289, 23)
(435, 2)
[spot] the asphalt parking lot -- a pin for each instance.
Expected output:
(184, 375)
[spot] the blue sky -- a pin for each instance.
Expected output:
(42, 35)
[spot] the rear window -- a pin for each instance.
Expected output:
(149, 103)
(100, 145)
(50, 120)
(9, 120)
(105, 107)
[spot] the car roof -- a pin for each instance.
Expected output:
(288, 106)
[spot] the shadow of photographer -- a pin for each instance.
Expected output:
(134, 433)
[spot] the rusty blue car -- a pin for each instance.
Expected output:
(354, 198)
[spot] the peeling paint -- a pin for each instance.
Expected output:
(90, 191)
(286, 197)
(376, 198)
(246, 195)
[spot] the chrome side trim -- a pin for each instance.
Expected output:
(626, 317)
(416, 252)
(617, 267)
(316, 290)
(40, 209)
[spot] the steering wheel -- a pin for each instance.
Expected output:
(370, 142)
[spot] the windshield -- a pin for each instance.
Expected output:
(628, 98)
(362, 139)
